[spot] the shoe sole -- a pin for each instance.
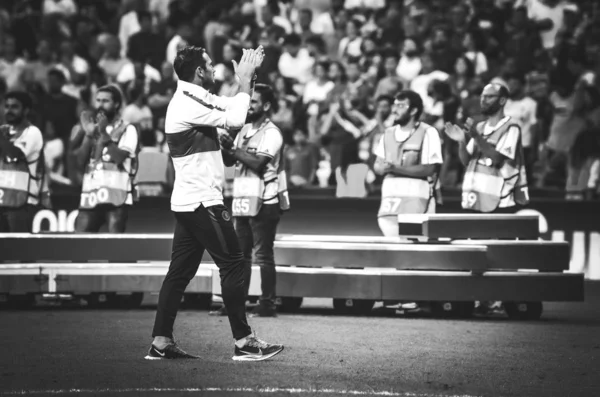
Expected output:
(256, 358)
(154, 358)
(148, 357)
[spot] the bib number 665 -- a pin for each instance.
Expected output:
(469, 199)
(240, 205)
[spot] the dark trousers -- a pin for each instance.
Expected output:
(17, 220)
(208, 229)
(90, 221)
(257, 238)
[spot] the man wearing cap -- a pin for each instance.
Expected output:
(108, 154)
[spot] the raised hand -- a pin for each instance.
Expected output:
(86, 118)
(246, 67)
(455, 132)
(102, 122)
(226, 141)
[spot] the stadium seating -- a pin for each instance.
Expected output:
(447, 271)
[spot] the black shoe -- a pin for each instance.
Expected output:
(222, 311)
(171, 352)
(262, 311)
(256, 350)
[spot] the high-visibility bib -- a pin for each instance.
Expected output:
(401, 195)
(17, 184)
(14, 183)
(105, 182)
(249, 187)
(483, 182)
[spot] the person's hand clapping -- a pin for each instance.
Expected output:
(251, 60)
(455, 132)
(226, 141)
(87, 123)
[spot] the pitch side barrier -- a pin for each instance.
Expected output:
(456, 260)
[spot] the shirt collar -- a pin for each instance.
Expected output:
(192, 88)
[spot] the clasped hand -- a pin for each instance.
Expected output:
(94, 128)
(226, 141)
(251, 60)
(458, 133)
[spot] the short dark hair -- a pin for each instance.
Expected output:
(503, 91)
(144, 15)
(229, 66)
(266, 95)
(515, 76)
(292, 39)
(186, 62)
(386, 98)
(21, 96)
(414, 101)
(58, 74)
(114, 92)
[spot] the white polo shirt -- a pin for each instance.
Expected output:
(192, 119)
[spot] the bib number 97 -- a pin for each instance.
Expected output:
(469, 199)
(240, 205)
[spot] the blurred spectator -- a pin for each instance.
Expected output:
(138, 112)
(130, 24)
(11, 65)
(421, 83)
(302, 160)
(178, 41)
(138, 72)
(462, 75)
(304, 26)
(523, 41)
(409, 65)
(59, 110)
(472, 50)
(548, 17)
(350, 45)
(145, 45)
(523, 111)
(230, 85)
(317, 89)
(112, 62)
(390, 84)
(295, 62)
(37, 70)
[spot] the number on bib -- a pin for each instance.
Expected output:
(240, 205)
(390, 204)
(468, 199)
(1, 196)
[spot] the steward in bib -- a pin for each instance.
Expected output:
(23, 183)
(108, 155)
(495, 179)
(409, 155)
(259, 191)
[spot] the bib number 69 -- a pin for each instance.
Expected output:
(240, 205)
(468, 199)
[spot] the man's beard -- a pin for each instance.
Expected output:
(490, 110)
(109, 114)
(13, 119)
(403, 120)
(252, 117)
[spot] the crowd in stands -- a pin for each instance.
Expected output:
(335, 66)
